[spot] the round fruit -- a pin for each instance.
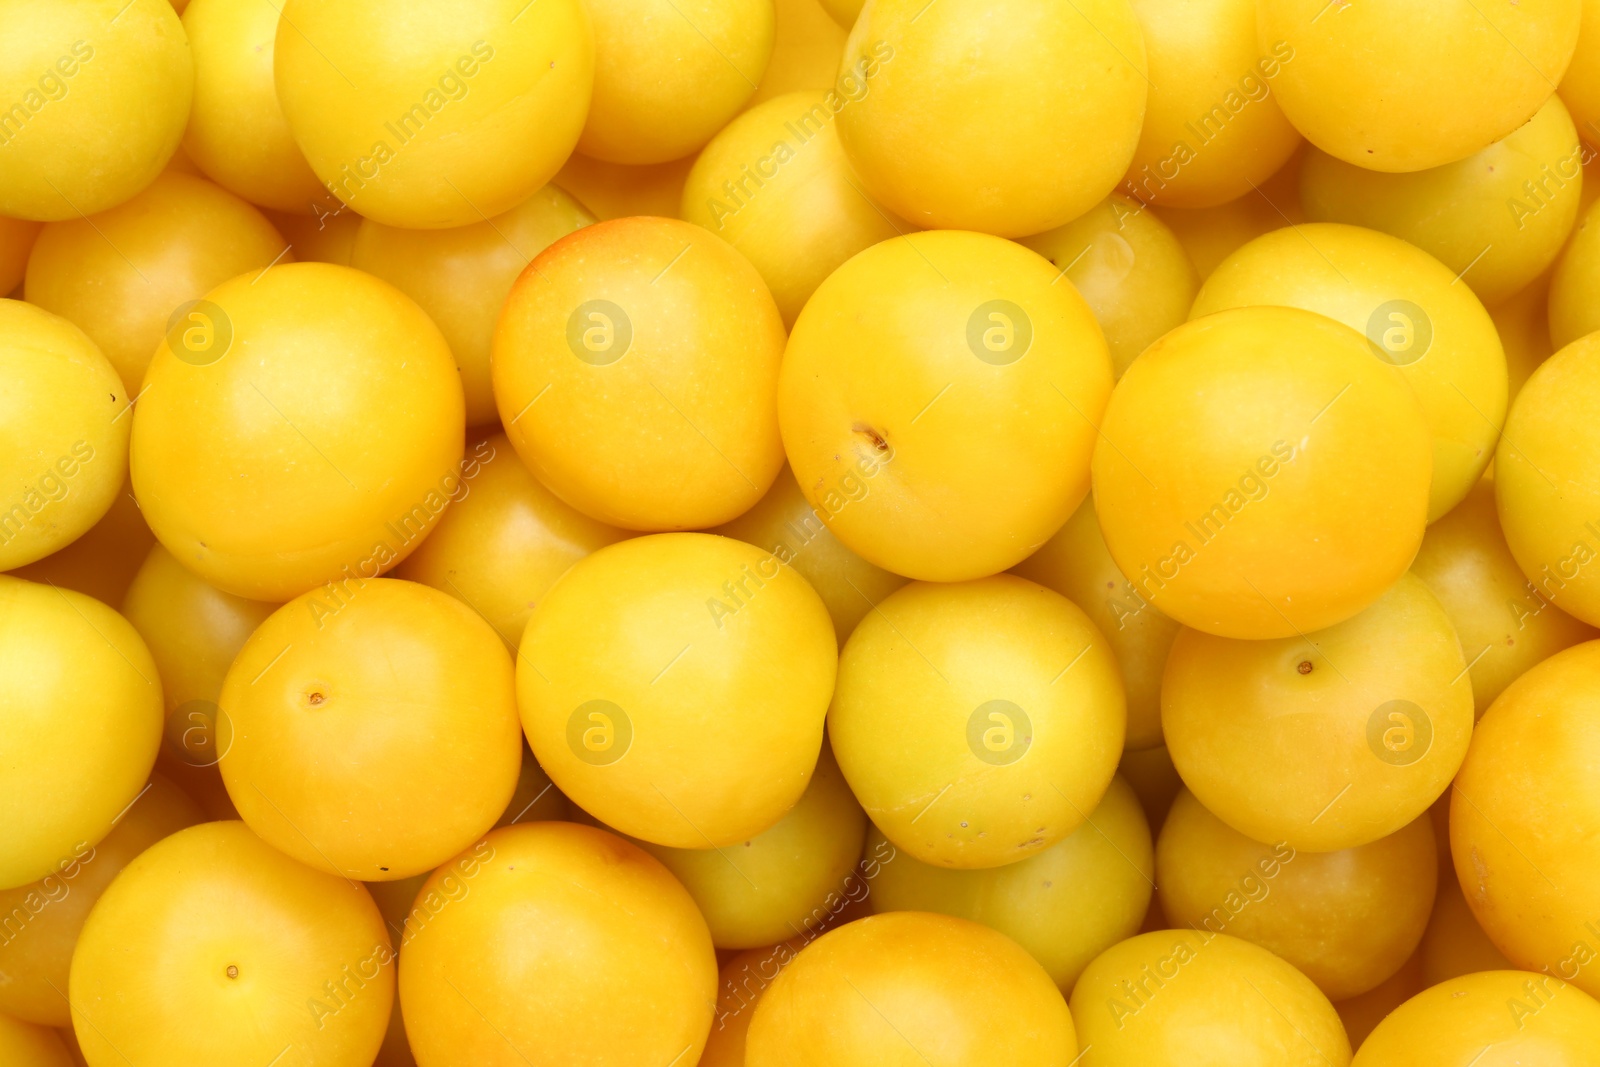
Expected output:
(1347, 920)
(784, 523)
(760, 891)
(1506, 624)
(1576, 283)
(1412, 313)
(82, 707)
(675, 687)
(1496, 219)
(666, 79)
(1491, 1019)
(461, 276)
(374, 729)
(1544, 484)
(559, 942)
(1415, 83)
(259, 957)
(237, 134)
(504, 540)
(1525, 819)
(741, 983)
(921, 128)
(634, 368)
(247, 423)
(445, 115)
(1130, 268)
(1076, 564)
(1580, 87)
(776, 185)
(98, 93)
(64, 424)
(42, 919)
(1260, 473)
(911, 988)
(1173, 998)
(193, 631)
(924, 369)
(124, 275)
(1327, 740)
(978, 723)
(1065, 905)
(1213, 130)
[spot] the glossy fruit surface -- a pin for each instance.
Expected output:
(346, 691)
(921, 369)
(1174, 997)
(763, 890)
(978, 723)
(1213, 129)
(82, 704)
(247, 420)
(461, 276)
(920, 128)
(1413, 315)
(1544, 485)
(1326, 741)
(675, 687)
(237, 134)
(504, 540)
(1522, 830)
(1497, 218)
(193, 631)
(64, 423)
(43, 919)
(1575, 282)
(123, 276)
(1130, 268)
(98, 93)
(1506, 625)
(1065, 905)
(1347, 920)
(450, 115)
(103, 560)
(775, 184)
(786, 524)
(1504, 1018)
(949, 990)
(1301, 488)
(634, 367)
(559, 942)
(1418, 83)
(1076, 564)
(279, 959)
(667, 78)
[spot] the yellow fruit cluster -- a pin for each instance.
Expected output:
(799, 533)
